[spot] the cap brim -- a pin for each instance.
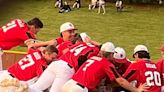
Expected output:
(121, 60)
(72, 29)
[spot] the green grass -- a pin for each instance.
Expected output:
(136, 25)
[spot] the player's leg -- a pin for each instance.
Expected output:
(45, 80)
(77, 88)
(71, 86)
(57, 85)
(57, 3)
(90, 6)
(99, 9)
(74, 5)
(63, 73)
(103, 7)
(94, 6)
(78, 5)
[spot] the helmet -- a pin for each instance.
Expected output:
(108, 47)
(120, 55)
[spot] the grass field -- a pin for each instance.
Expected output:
(136, 25)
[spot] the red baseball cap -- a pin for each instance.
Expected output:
(162, 47)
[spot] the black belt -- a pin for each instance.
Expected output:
(12, 75)
(80, 85)
(69, 65)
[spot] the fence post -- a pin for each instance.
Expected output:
(1, 66)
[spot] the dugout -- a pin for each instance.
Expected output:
(11, 57)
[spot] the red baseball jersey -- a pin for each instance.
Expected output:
(160, 65)
(61, 47)
(14, 33)
(122, 68)
(32, 65)
(144, 71)
(59, 40)
(78, 50)
(94, 70)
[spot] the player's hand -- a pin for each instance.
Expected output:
(143, 87)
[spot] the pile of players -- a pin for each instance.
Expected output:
(75, 63)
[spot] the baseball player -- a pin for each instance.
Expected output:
(62, 70)
(95, 69)
(32, 65)
(67, 32)
(143, 70)
(160, 65)
(17, 32)
(121, 63)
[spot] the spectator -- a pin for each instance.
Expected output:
(59, 3)
(119, 5)
(101, 5)
(65, 8)
(77, 4)
(93, 4)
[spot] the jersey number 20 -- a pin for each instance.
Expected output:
(153, 78)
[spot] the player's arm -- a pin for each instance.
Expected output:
(41, 44)
(87, 39)
(125, 84)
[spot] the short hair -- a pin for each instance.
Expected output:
(36, 21)
(105, 54)
(143, 54)
(51, 49)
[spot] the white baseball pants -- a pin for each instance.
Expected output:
(72, 86)
(57, 74)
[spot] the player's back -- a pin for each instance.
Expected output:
(146, 72)
(13, 34)
(93, 71)
(77, 50)
(13, 28)
(28, 67)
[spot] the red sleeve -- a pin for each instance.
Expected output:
(111, 72)
(59, 40)
(41, 67)
(39, 71)
(131, 72)
(160, 66)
